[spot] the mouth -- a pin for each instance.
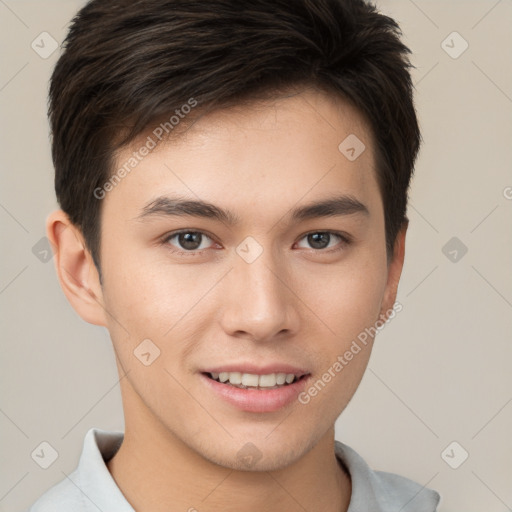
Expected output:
(256, 392)
(254, 381)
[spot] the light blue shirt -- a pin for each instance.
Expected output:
(91, 488)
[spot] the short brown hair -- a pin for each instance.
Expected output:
(127, 63)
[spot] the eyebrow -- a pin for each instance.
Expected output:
(180, 207)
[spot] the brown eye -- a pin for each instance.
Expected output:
(319, 240)
(322, 240)
(187, 241)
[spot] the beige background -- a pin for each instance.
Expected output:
(440, 371)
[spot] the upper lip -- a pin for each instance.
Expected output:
(258, 370)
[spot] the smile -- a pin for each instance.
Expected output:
(251, 380)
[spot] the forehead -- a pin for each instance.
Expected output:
(263, 154)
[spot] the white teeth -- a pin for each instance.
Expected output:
(235, 378)
(252, 380)
(280, 379)
(267, 381)
(249, 379)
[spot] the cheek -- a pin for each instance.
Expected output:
(145, 290)
(349, 306)
(346, 299)
(151, 299)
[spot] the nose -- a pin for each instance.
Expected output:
(260, 303)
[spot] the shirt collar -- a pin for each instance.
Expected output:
(94, 479)
(380, 491)
(371, 490)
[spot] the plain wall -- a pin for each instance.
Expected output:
(440, 371)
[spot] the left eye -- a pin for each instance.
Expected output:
(189, 240)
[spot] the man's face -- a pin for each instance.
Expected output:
(269, 294)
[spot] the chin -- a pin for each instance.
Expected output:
(257, 453)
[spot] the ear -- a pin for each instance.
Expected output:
(394, 271)
(76, 271)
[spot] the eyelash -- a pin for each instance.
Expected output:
(345, 240)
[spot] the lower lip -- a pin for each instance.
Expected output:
(257, 400)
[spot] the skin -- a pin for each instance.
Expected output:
(295, 303)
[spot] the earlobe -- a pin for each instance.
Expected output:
(76, 271)
(394, 272)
